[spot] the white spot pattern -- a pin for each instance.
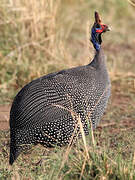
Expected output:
(42, 112)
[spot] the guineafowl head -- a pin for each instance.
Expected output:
(97, 30)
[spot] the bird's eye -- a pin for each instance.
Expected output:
(98, 26)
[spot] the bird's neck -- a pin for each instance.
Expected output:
(99, 59)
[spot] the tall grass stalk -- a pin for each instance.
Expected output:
(39, 37)
(30, 44)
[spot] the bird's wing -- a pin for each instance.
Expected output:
(49, 97)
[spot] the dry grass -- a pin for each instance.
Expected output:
(108, 153)
(39, 37)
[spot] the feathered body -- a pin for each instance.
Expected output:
(46, 110)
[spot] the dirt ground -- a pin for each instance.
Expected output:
(4, 117)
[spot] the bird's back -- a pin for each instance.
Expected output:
(70, 89)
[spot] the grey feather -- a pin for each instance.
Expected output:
(41, 111)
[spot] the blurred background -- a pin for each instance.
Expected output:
(39, 37)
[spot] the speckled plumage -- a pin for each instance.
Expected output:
(45, 111)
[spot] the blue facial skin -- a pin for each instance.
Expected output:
(94, 38)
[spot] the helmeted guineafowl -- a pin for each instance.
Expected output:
(45, 111)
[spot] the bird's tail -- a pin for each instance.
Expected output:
(20, 141)
(14, 153)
